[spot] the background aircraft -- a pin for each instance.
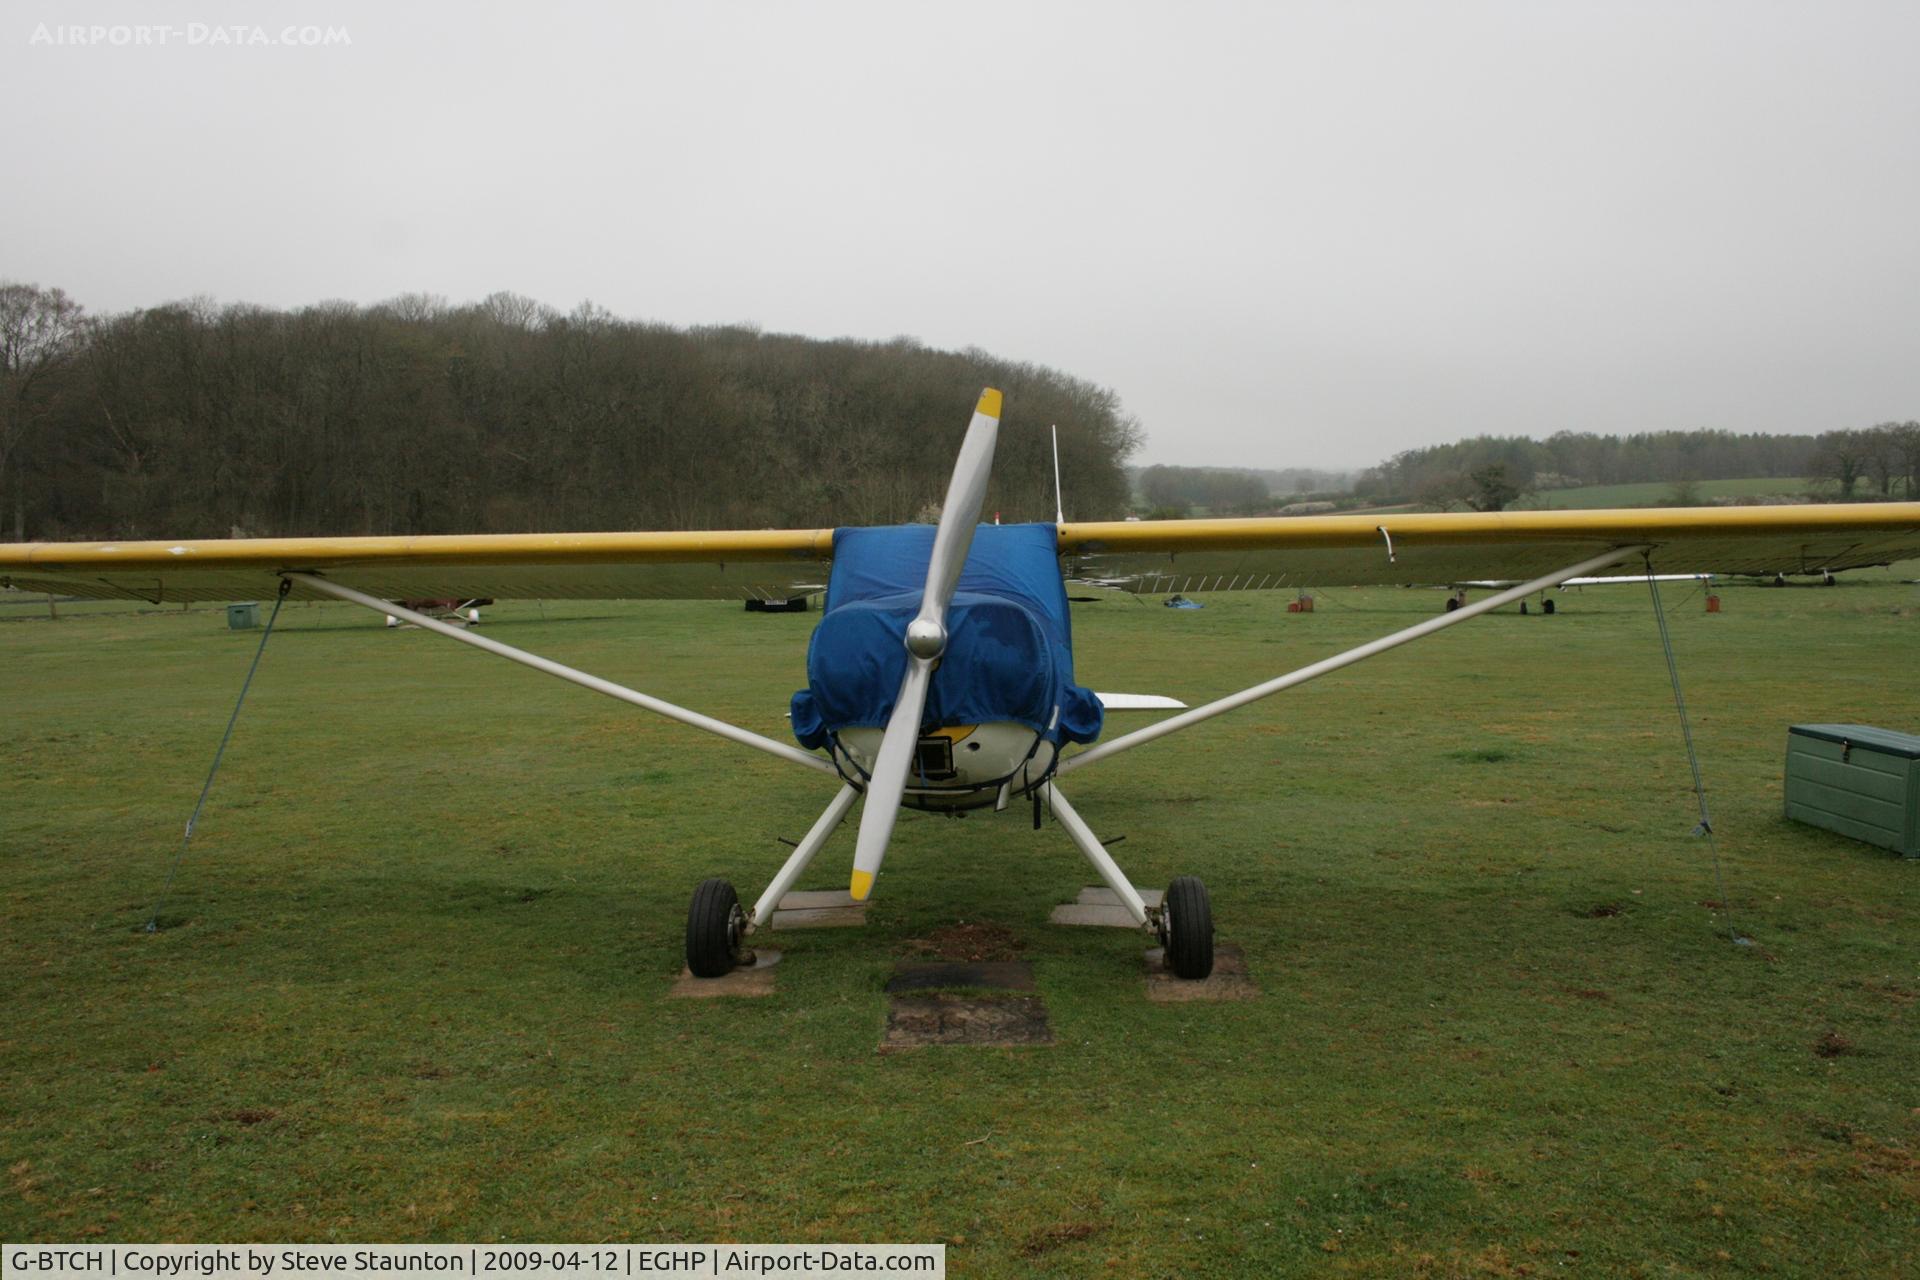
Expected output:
(459, 611)
(940, 676)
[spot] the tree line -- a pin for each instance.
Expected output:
(1487, 472)
(418, 416)
(1164, 490)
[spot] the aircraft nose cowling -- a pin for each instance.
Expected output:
(998, 665)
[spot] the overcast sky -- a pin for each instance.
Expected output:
(1305, 234)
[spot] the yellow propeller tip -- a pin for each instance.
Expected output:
(862, 885)
(989, 403)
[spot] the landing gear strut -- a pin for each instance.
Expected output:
(1184, 920)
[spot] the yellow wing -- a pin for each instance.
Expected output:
(1144, 556)
(1152, 556)
(764, 564)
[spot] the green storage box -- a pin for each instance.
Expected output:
(243, 617)
(1857, 780)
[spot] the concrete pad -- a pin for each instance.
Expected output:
(944, 1018)
(1108, 917)
(1099, 907)
(850, 917)
(935, 975)
(819, 909)
(755, 979)
(803, 899)
(1098, 895)
(1228, 981)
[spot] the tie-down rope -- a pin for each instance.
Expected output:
(153, 920)
(1693, 759)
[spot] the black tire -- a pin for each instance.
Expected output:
(715, 925)
(1453, 602)
(1186, 925)
(1546, 606)
(1523, 606)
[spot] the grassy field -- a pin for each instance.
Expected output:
(1656, 493)
(415, 984)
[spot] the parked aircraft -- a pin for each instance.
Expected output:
(941, 674)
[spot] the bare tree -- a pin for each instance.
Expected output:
(1883, 457)
(1842, 457)
(517, 311)
(40, 331)
(1906, 444)
(414, 308)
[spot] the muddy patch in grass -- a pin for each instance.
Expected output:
(981, 940)
(988, 1003)
(1833, 1045)
(1228, 981)
(993, 1021)
(960, 975)
(246, 1116)
(1048, 1239)
(1485, 755)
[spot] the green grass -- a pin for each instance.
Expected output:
(1655, 493)
(417, 989)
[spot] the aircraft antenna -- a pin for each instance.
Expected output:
(1059, 509)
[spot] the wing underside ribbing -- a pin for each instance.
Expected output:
(1147, 557)
(764, 565)
(1152, 557)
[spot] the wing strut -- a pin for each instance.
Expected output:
(1096, 853)
(733, 733)
(1173, 724)
(797, 862)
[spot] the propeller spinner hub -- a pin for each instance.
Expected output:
(926, 638)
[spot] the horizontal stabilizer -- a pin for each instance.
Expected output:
(1138, 702)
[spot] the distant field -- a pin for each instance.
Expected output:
(1657, 493)
(1652, 494)
(415, 984)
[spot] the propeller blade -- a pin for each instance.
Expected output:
(891, 768)
(960, 514)
(926, 641)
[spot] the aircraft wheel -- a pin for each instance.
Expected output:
(715, 927)
(1186, 928)
(1546, 606)
(1453, 602)
(1523, 606)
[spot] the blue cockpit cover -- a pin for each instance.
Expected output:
(1009, 642)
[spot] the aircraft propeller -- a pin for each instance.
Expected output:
(926, 641)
